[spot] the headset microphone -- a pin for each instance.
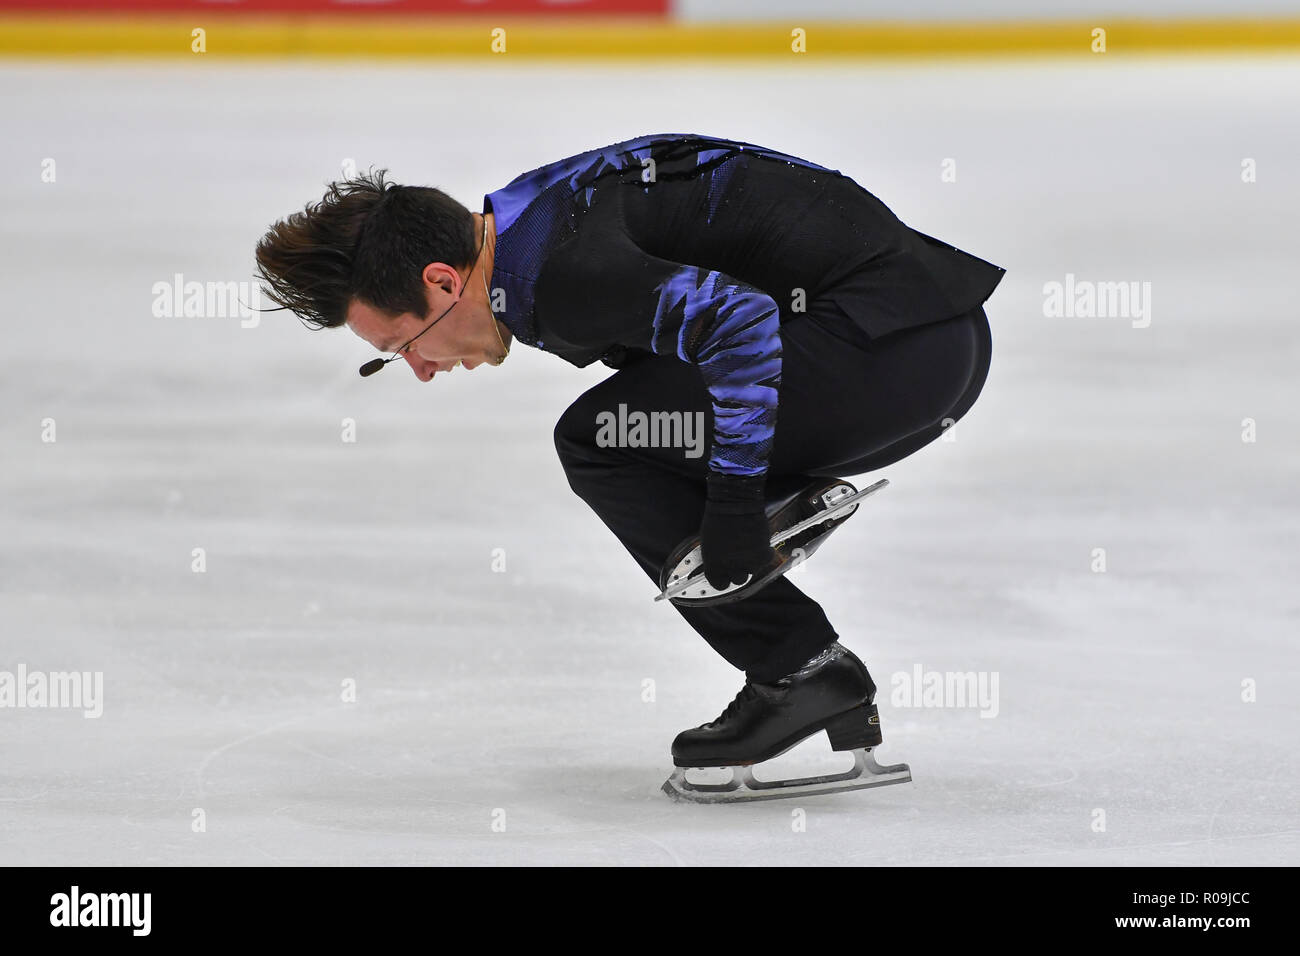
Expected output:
(374, 365)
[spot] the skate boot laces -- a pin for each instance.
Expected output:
(754, 689)
(747, 693)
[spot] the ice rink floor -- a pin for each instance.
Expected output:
(524, 715)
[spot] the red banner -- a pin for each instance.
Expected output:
(541, 9)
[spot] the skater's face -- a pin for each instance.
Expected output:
(465, 335)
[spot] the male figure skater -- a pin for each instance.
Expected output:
(817, 334)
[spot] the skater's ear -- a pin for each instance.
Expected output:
(439, 275)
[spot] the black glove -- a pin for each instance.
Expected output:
(735, 537)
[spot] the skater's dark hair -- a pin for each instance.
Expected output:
(367, 239)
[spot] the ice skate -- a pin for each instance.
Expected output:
(832, 692)
(800, 522)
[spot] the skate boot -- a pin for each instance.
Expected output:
(832, 692)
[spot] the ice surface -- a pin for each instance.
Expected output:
(519, 697)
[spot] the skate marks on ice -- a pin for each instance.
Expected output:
(1039, 803)
(436, 804)
(347, 777)
(573, 803)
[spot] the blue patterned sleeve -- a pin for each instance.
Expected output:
(603, 290)
(731, 332)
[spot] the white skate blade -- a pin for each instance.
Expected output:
(686, 580)
(743, 786)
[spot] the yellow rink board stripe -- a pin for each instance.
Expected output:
(374, 36)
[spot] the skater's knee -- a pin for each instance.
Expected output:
(575, 435)
(980, 358)
(567, 436)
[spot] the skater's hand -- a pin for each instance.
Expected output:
(735, 536)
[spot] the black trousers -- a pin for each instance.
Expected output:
(848, 405)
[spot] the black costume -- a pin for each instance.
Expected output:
(816, 333)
